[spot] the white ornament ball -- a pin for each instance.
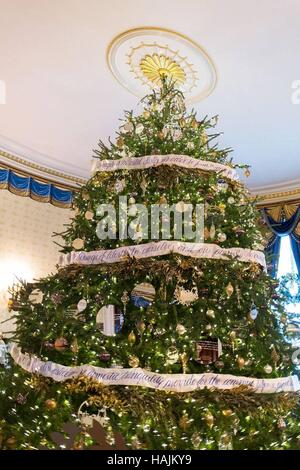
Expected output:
(36, 296)
(180, 329)
(222, 237)
(253, 313)
(177, 133)
(128, 127)
(132, 211)
(231, 200)
(139, 128)
(119, 185)
(181, 206)
(131, 200)
(190, 145)
(258, 246)
(82, 304)
(268, 369)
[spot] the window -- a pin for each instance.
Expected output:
(287, 265)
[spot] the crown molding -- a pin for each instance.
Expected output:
(14, 155)
(45, 174)
(280, 192)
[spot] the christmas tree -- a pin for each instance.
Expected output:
(161, 321)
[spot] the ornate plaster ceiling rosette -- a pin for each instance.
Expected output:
(139, 58)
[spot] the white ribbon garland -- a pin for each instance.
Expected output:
(144, 378)
(150, 161)
(161, 248)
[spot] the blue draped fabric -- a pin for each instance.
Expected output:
(29, 186)
(280, 229)
(272, 253)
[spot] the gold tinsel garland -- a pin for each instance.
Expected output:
(171, 268)
(166, 175)
(98, 394)
(139, 400)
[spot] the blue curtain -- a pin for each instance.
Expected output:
(280, 229)
(29, 186)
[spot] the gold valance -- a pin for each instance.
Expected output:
(282, 210)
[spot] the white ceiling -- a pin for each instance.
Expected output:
(61, 97)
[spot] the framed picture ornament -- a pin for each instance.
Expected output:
(208, 351)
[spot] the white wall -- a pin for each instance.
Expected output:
(27, 248)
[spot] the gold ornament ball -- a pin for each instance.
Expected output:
(120, 142)
(161, 135)
(232, 335)
(85, 196)
(131, 338)
(163, 200)
(184, 422)
(78, 243)
(284, 318)
(133, 361)
(146, 114)
(51, 404)
(89, 215)
(196, 439)
(219, 364)
(240, 362)
(206, 234)
(210, 313)
(11, 442)
(225, 439)
(209, 419)
(228, 412)
(140, 326)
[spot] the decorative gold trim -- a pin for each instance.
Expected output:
(292, 196)
(169, 31)
(35, 166)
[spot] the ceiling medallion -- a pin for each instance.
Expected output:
(155, 67)
(140, 58)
